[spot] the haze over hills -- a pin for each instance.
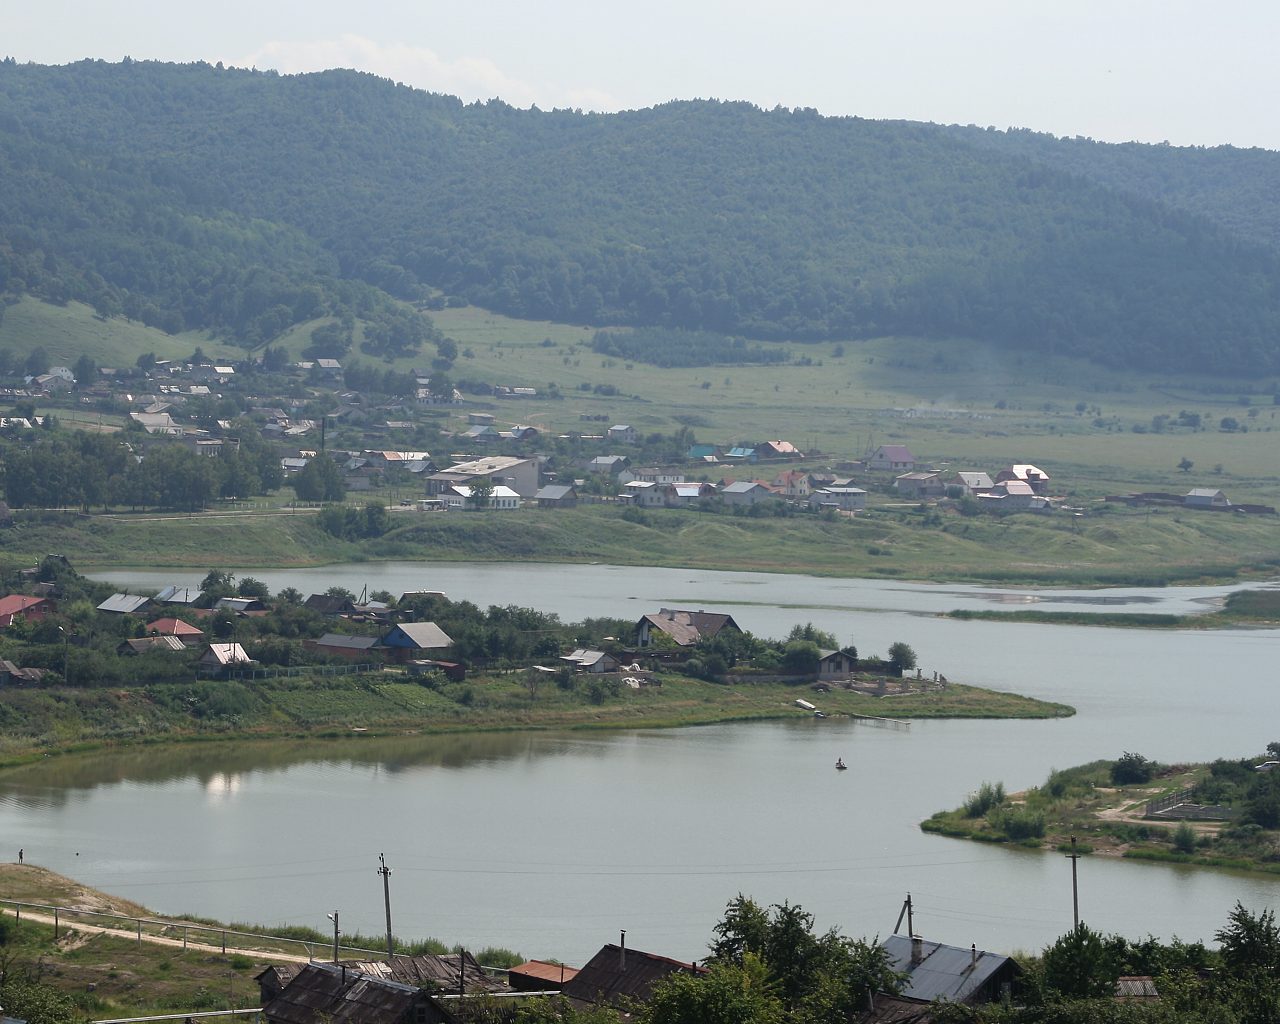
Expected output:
(245, 202)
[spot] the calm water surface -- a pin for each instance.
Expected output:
(551, 843)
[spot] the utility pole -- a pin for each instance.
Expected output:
(1075, 889)
(907, 913)
(385, 872)
(334, 918)
(66, 681)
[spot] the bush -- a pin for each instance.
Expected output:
(1017, 822)
(1184, 838)
(1131, 768)
(987, 797)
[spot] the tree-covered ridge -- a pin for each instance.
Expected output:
(699, 215)
(1234, 187)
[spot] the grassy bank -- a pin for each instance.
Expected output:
(37, 721)
(1115, 547)
(1110, 818)
(114, 974)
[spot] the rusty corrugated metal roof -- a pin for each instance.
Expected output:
(331, 994)
(545, 970)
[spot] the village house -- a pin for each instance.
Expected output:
(1205, 497)
(610, 465)
(843, 499)
(745, 493)
(324, 993)
(686, 628)
(345, 645)
(125, 604)
(184, 631)
(934, 971)
(689, 494)
(556, 496)
(1036, 479)
(12, 675)
(223, 658)
(178, 595)
(464, 499)
(586, 660)
(410, 640)
(540, 976)
(22, 606)
(329, 604)
(920, 485)
(621, 433)
(741, 453)
(793, 483)
(617, 976)
(145, 644)
(836, 665)
(652, 475)
(776, 450)
(972, 482)
(521, 475)
(1014, 496)
(896, 458)
(481, 433)
(645, 494)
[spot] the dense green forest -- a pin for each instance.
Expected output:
(1234, 187)
(197, 196)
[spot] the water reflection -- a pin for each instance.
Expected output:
(54, 781)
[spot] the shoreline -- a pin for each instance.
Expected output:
(685, 708)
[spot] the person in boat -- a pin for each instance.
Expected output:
(840, 762)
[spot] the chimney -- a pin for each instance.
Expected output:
(622, 952)
(917, 949)
(973, 956)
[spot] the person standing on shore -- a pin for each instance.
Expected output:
(20, 855)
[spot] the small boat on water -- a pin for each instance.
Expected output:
(840, 765)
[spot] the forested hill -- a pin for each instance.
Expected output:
(1238, 188)
(189, 195)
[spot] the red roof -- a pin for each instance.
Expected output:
(173, 627)
(16, 604)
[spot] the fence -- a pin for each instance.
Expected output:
(1169, 800)
(206, 935)
(274, 671)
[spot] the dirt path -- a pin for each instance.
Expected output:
(155, 940)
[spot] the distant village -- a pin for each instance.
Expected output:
(303, 410)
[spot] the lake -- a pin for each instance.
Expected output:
(551, 843)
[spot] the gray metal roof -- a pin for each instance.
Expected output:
(123, 604)
(347, 641)
(423, 635)
(943, 972)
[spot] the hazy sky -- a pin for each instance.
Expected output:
(1191, 73)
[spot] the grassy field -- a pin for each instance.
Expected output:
(1110, 545)
(1110, 820)
(115, 975)
(67, 332)
(70, 719)
(1074, 420)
